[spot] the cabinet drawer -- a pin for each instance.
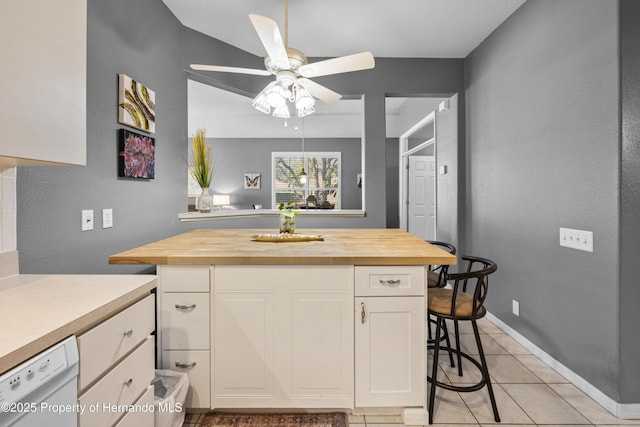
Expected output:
(185, 321)
(197, 365)
(108, 342)
(183, 278)
(143, 414)
(119, 388)
(390, 281)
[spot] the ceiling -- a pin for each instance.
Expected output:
(326, 28)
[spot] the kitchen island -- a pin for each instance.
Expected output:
(331, 324)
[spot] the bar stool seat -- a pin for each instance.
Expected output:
(440, 300)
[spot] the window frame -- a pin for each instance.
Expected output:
(307, 189)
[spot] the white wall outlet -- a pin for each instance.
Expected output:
(576, 239)
(107, 218)
(515, 307)
(87, 220)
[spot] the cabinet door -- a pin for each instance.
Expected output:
(321, 358)
(43, 81)
(390, 348)
(244, 348)
(283, 336)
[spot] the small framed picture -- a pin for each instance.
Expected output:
(136, 155)
(252, 181)
(136, 104)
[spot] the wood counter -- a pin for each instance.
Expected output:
(340, 247)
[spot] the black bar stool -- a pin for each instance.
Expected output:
(436, 278)
(464, 302)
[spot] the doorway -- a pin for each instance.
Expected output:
(418, 187)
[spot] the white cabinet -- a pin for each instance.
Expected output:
(116, 365)
(389, 337)
(283, 336)
(43, 82)
(184, 317)
(389, 352)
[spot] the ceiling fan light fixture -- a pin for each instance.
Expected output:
(260, 103)
(281, 112)
(275, 96)
(303, 99)
(303, 112)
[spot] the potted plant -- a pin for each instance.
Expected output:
(287, 218)
(201, 168)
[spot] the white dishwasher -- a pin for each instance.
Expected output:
(43, 391)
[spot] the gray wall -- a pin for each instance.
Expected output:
(543, 153)
(629, 295)
(254, 155)
(144, 40)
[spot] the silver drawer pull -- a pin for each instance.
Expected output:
(391, 282)
(185, 307)
(363, 313)
(128, 332)
(185, 365)
(128, 382)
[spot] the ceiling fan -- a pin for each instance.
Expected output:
(292, 71)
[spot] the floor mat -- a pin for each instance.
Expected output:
(333, 419)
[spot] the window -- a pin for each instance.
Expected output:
(323, 178)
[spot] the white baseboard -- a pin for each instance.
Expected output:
(620, 410)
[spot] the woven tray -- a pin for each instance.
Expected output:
(279, 238)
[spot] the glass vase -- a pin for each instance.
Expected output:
(287, 224)
(205, 201)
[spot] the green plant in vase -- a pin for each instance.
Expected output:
(201, 167)
(287, 218)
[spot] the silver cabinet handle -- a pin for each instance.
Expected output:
(185, 307)
(185, 365)
(128, 333)
(128, 382)
(363, 313)
(391, 282)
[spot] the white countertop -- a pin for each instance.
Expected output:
(37, 311)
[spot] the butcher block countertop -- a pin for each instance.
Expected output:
(359, 246)
(37, 311)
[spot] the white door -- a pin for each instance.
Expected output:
(421, 212)
(389, 337)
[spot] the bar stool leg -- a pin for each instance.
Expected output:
(447, 341)
(457, 336)
(434, 368)
(485, 371)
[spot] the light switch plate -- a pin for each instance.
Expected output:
(107, 218)
(576, 239)
(87, 220)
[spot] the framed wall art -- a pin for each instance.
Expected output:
(136, 104)
(252, 181)
(136, 155)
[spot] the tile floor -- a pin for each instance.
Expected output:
(528, 392)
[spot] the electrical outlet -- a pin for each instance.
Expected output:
(87, 220)
(576, 239)
(107, 218)
(515, 307)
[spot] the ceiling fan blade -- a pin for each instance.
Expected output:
(342, 64)
(322, 93)
(270, 37)
(223, 69)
